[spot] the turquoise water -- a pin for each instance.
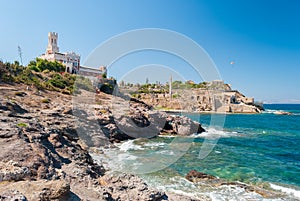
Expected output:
(261, 147)
(251, 148)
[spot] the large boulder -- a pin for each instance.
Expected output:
(181, 125)
(143, 125)
(195, 176)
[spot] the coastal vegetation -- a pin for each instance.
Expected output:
(21, 124)
(46, 100)
(157, 88)
(44, 75)
(189, 85)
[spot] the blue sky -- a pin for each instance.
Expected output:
(261, 37)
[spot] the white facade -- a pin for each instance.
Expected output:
(92, 72)
(69, 59)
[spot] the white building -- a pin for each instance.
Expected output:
(69, 59)
(92, 72)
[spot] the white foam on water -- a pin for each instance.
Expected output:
(232, 193)
(278, 112)
(118, 160)
(210, 133)
(216, 133)
(289, 191)
(121, 159)
(129, 145)
(180, 192)
(177, 185)
(115, 160)
(167, 136)
(155, 144)
(269, 111)
(167, 152)
(180, 185)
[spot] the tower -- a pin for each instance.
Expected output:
(52, 43)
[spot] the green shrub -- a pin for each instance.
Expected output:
(21, 124)
(34, 68)
(83, 83)
(175, 96)
(46, 71)
(45, 100)
(51, 66)
(44, 74)
(58, 81)
(107, 88)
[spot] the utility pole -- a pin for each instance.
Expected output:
(20, 55)
(170, 87)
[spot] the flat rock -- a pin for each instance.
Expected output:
(12, 195)
(130, 187)
(195, 176)
(37, 190)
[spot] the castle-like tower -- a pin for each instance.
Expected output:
(52, 43)
(69, 59)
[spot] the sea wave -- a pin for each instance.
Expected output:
(217, 133)
(233, 193)
(287, 190)
(210, 133)
(116, 159)
(269, 111)
(154, 144)
(205, 191)
(282, 112)
(166, 136)
(177, 185)
(129, 145)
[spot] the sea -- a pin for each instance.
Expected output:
(261, 150)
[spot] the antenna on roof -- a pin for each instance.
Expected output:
(20, 55)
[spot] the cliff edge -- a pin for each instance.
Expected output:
(45, 145)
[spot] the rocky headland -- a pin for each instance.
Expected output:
(209, 97)
(45, 138)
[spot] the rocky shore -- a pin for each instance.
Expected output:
(45, 138)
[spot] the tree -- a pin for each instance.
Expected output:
(40, 65)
